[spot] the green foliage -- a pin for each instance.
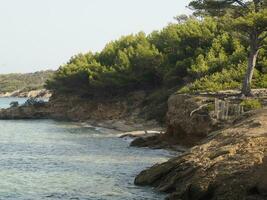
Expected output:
(261, 81)
(248, 21)
(181, 44)
(193, 54)
(222, 80)
(24, 82)
(251, 104)
(129, 63)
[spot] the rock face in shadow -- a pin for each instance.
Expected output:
(188, 121)
(229, 165)
(187, 116)
(26, 112)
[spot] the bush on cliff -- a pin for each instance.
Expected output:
(251, 104)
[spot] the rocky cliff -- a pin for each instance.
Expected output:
(190, 118)
(123, 114)
(230, 164)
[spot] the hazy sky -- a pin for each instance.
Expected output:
(43, 34)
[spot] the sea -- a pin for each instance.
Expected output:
(57, 160)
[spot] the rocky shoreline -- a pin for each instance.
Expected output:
(113, 114)
(230, 164)
(224, 149)
(42, 93)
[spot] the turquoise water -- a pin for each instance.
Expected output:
(46, 159)
(4, 102)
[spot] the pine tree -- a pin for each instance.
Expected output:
(250, 19)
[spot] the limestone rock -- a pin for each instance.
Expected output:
(230, 165)
(185, 119)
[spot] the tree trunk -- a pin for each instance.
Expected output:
(253, 54)
(252, 59)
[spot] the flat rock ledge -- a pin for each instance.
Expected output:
(26, 112)
(231, 164)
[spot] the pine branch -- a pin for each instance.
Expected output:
(262, 38)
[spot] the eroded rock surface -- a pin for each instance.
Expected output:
(231, 164)
(188, 121)
(187, 116)
(122, 114)
(26, 112)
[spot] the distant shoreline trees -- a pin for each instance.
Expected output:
(24, 82)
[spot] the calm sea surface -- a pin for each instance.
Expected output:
(46, 159)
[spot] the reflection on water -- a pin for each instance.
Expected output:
(44, 159)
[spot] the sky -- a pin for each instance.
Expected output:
(43, 34)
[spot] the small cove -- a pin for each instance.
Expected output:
(46, 159)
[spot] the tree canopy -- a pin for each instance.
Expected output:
(194, 54)
(248, 18)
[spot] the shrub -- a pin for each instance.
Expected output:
(251, 104)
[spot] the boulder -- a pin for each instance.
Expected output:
(188, 116)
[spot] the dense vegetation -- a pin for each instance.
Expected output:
(193, 54)
(248, 18)
(24, 82)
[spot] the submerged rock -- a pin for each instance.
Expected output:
(231, 164)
